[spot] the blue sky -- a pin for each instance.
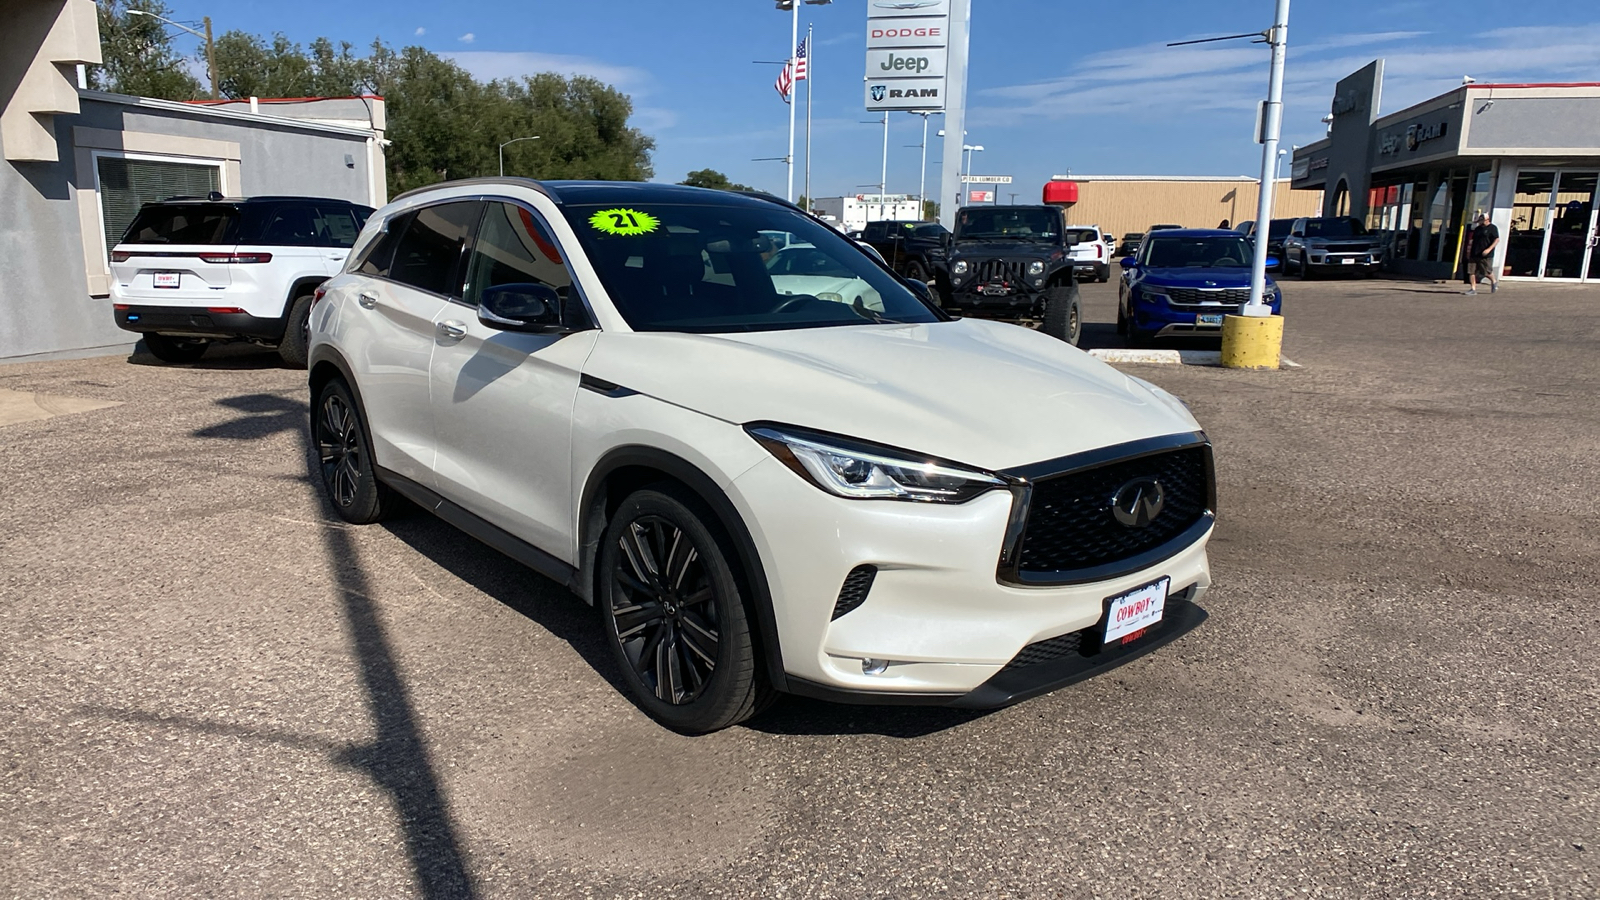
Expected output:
(1055, 85)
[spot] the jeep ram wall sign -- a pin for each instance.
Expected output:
(1410, 140)
(907, 48)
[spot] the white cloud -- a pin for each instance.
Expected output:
(420, 31)
(840, 39)
(467, 38)
(1155, 83)
(491, 64)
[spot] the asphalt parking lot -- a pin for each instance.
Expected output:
(209, 687)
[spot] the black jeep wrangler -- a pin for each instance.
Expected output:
(913, 249)
(1011, 262)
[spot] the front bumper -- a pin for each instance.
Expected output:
(1351, 260)
(936, 612)
(191, 321)
(1156, 318)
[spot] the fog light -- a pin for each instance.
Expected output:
(874, 666)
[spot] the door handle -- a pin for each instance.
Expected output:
(367, 299)
(452, 330)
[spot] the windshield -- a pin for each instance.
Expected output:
(715, 269)
(1176, 252)
(1335, 228)
(1020, 224)
(208, 223)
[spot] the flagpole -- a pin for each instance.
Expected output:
(811, 65)
(794, 45)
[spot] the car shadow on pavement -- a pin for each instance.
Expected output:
(264, 416)
(793, 715)
(241, 355)
(1103, 336)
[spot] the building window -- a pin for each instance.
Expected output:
(126, 182)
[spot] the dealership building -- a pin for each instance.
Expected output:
(1526, 154)
(76, 165)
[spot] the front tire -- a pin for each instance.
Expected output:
(344, 457)
(1062, 320)
(674, 614)
(916, 272)
(173, 349)
(1305, 268)
(296, 333)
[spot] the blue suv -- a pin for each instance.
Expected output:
(1184, 281)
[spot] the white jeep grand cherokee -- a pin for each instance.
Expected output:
(805, 481)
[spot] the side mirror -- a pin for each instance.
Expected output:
(1273, 262)
(528, 308)
(944, 240)
(1127, 262)
(1299, 234)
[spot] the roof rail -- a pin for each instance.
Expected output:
(518, 180)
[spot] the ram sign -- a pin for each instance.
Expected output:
(907, 43)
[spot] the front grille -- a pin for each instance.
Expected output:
(854, 592)
(999, 270)
(1348, 248)
(1070, 526)
(1194, 296)
(1085, 642)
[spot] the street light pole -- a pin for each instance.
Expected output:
(211, 47)
(503, 151)
(922, 185)
(1272, 128)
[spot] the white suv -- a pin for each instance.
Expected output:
(805, 481)
(1091, 252)
(192, 271)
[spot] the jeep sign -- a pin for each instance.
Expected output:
(905, 64)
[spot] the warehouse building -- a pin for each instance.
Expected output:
(79, 163)
(1527, 154)
(1120, 204)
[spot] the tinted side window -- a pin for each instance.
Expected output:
(291, 225)
(513, 247)
(375, 260)
(337, 226)
(430, 251)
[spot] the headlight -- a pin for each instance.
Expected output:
(1151, 294)
(861, 471)
(959, 267)
(1036, 267)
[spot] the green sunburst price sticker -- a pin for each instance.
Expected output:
(624, 221)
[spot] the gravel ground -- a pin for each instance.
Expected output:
(210, 687)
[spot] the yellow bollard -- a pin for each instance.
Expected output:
(1251, 342)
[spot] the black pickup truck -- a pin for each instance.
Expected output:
(914, 249)
(1014, 263)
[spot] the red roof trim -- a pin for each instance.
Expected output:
(281, 99)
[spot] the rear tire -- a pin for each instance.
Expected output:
(1103, 275)
(1122, 322)
(1062, 320)
(174, 349)
(344, 457)
(674, 614)
(296, 333)
(916, 272)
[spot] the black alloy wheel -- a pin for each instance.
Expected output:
(674, 614)
(344, 459)
(175, 349)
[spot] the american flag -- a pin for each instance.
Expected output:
(793, 70)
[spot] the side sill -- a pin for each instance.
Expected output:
(496, 537)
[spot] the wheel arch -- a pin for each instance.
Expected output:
(623, 470)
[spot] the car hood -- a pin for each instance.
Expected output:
(1187, 277)
(987, 394)
(1004, 248)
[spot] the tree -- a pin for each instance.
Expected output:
(711, 178)
(138, 54)
(930, 210)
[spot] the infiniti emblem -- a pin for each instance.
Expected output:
(1137, 503)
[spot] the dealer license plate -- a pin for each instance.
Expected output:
(995, 290)
(1138, 609)
(1210, 319)
(1348, 261)
(167, 279)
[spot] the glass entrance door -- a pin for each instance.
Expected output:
(1571, 225)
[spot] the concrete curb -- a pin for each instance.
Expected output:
(1170, 357)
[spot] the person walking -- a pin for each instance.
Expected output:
(1485, 237)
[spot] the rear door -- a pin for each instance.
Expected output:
(337, 227)
(175, 254)
(388, 333)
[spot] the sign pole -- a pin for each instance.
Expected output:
(883, 178)
(922, 186)
(955, 111)
(794, 43)
(811, 68)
